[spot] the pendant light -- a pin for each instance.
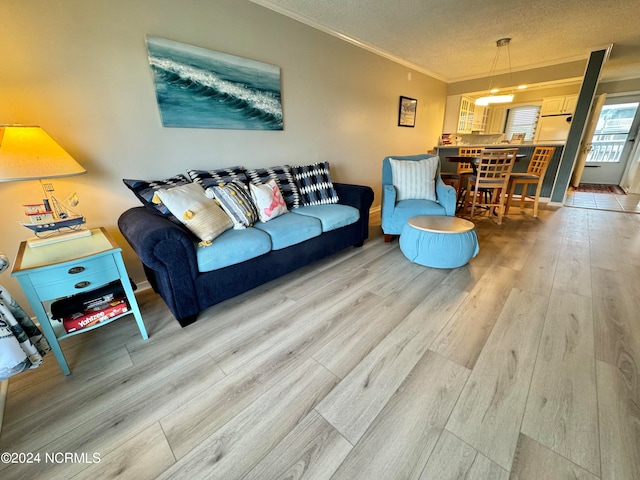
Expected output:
(489, 99)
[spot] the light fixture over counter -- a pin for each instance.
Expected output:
(490, 98)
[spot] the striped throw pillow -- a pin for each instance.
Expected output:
(415, 179)
(235, 200)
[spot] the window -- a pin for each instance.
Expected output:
(612, 131)
(522, 119)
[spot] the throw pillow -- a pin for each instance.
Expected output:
(145, 191)
(219, 177)
(268, 199)
(236, 201)
(314, 183)
(284, 178)
(193, 208)
(415, 179)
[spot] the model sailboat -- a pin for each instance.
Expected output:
(53, 216)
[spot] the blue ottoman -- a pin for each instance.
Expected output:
(438, 241)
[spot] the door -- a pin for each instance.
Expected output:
(610, 145)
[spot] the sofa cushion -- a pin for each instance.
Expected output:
(284, 178)
(415, 179)
(145, 191)
(289, 229)
(202, 215)
(314, 183)
(268, 200)
(232, 247)
(331, 216)
(235, 200)
(219, 177)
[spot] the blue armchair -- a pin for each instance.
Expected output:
(396, 213)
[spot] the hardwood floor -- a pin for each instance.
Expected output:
(524, 364)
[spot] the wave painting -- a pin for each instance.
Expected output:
(196, 87)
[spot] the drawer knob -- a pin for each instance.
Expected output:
(74, 270)
(84, 284)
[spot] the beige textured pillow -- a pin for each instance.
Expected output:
(193, 208)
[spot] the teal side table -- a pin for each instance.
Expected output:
(49, 272)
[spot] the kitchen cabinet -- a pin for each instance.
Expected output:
(479, 118)
(559, 105)
(459, 115)
(495, 118)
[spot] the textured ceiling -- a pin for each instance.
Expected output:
(455, 40)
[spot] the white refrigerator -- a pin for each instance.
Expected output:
(553, 128)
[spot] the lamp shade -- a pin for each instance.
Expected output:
(28, 152)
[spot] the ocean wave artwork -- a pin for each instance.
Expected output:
(201, 88)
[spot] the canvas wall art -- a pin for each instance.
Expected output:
(196, 87)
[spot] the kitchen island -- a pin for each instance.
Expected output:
(525, 148)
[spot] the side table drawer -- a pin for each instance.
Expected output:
(75, 277)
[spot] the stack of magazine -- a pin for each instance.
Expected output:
(90, 308)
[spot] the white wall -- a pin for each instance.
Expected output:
(79, 69)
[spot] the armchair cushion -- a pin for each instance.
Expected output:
(415, 179)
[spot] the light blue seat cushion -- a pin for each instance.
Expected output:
(438, 250)
(405, 209)
(331, 216)
(289, 229)
(233, 246)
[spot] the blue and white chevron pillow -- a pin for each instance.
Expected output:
(314, 184)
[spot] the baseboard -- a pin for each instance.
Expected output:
(374, 216)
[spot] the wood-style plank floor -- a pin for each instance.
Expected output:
(524, 364)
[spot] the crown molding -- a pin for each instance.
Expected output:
(354, 41)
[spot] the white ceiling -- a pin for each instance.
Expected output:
(455, 40)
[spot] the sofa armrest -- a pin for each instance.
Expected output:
(360, 197)
(149, 234)
(389, 195)
(167, 251)
(446, 196)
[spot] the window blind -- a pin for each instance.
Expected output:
(522, 119)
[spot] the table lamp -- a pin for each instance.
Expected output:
(29, 153)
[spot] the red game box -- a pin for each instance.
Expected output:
(98, 314)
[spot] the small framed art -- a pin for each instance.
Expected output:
(517, 138)
(407, 112)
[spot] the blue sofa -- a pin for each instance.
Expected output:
(394, 214)
(190, 279)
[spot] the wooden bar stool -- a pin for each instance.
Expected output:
(533, 176)
(489, 186)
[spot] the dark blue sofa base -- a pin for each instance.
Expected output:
(168, 255)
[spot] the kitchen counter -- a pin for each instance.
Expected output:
(524, 148)
(504, 145)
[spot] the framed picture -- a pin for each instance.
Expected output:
(407, 112)
(200, 88)
(517, 138)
